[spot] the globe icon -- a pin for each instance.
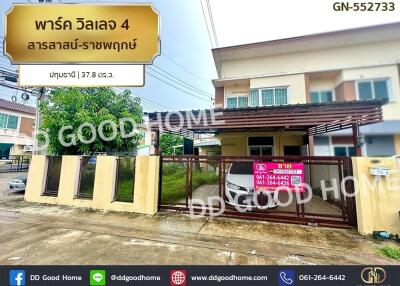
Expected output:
(178, 277)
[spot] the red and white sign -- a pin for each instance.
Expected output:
(286, 176)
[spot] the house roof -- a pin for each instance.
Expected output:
(13, 106)
(313, 118)
(341, 38)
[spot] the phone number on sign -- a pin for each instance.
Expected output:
(363, 6)
(321, 277)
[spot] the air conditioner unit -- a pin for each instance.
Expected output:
(28, 148)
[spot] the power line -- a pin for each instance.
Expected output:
(205, 20)
(212, 22)
(180, 82)
(185, 69)
(184, 91)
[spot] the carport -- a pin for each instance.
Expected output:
(312, 119)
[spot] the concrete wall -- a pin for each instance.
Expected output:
(377, 202)
(145, 190)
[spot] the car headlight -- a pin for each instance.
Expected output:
(232, 186)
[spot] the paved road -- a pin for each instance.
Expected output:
(43, 234)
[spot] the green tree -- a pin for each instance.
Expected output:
(75, 106)
(167, 141)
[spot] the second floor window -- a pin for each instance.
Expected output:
(8, 121)
(373, 89)
(321, 96)
(269, 96)
(237, 102)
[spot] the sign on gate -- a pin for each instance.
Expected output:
(286, 176)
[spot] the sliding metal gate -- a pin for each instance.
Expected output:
(188, 182)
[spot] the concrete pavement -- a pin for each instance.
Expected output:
(43, 234)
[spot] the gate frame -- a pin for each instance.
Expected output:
(345, 169)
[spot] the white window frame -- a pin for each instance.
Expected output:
(18, 122)
(237, 98)
(319, 94)
(287, 87)
(259, 146)
(371, 80)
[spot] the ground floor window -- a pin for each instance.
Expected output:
(344, 151)
(261, 146)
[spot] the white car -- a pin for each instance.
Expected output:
(239, 188)
(17, 184)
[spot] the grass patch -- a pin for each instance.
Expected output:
(174, 184)
(124, 191)
(392, 252)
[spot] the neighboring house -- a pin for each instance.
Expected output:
(359, 64)
(145, 146)
(16, 128)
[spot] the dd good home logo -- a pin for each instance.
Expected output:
(373, 275)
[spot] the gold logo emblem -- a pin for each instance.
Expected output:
(373, 275)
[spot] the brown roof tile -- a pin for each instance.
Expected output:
(5, 104)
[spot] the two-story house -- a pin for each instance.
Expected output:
(16, 128)
(359, 64)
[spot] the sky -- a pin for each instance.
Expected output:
(187, 38)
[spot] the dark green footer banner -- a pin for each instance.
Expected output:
(200, 275)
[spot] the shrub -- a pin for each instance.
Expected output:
(392, 252)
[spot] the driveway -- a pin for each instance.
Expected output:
(43, 234)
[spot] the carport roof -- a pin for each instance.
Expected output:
(313, 118)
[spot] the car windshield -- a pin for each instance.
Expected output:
(241, 169)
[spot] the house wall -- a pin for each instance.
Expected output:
(352, 56)
(219, 97)
(235, 144)
(26, 126)
(377, 201)
(346, 91)
(296, 84)
(390, 110)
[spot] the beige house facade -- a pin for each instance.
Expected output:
(351, 65)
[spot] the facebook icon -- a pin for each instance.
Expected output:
(17, 277)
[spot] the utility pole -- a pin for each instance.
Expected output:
(41, 95)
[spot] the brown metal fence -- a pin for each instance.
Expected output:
(188, 180)
(53, 175)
